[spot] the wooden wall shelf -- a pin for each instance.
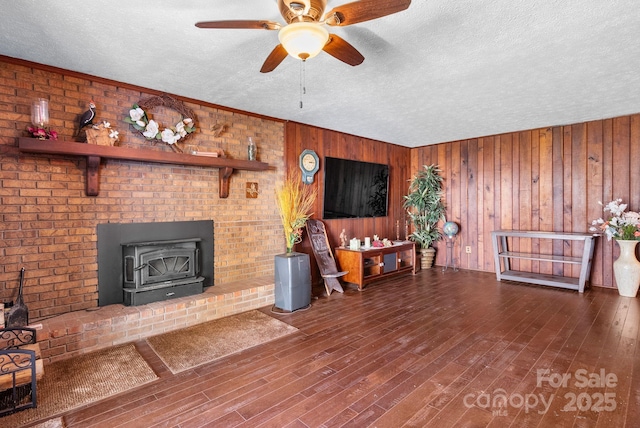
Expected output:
(95, 153)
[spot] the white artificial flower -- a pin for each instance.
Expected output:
(151, 130)
(616, 207)
(632, 217)
(609, 233)
(187, 121)
(136, 114)
(113, 134)
(106, 124)
(169, 137)
(180, 129)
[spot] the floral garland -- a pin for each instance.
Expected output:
(150, 129)
(42, 133)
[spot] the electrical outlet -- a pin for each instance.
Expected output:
(467, 249)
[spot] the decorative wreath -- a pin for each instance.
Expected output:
(150, 129)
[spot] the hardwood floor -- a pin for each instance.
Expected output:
(435, 349)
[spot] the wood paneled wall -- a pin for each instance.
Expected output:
(330, 143)
(543, 179)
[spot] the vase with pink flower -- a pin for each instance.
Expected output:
(623, 227)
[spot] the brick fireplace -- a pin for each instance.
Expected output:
(115, 322)
(49, 224)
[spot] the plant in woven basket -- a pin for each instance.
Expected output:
(295, 201)
(140, 119)
(424, 205)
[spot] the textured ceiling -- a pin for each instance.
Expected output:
(439, 71)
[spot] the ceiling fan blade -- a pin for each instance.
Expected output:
(364, 10)
(244, 24)
(277, 55)
(342, 50)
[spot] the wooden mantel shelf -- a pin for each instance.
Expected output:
(94, 153)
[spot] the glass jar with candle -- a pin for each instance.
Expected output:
(251, 150)
(40, 113)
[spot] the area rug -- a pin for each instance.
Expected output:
(190, 347)
(84, 379)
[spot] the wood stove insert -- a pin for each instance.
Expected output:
(140, 263)
(160, 270)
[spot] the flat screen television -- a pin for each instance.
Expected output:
(354, 189)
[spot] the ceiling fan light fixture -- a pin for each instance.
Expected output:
(303, 40)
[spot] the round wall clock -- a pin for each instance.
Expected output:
(309, 164)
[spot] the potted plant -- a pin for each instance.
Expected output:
(292, 288)
(425, 209)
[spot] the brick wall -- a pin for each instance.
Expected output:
(48, 224)
(76, 333)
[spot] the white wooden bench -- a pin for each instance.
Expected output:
(503, 255)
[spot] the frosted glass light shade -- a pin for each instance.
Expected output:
(303, 40)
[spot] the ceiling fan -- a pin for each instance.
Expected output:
(305, 35)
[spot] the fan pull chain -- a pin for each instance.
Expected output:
(303, 84)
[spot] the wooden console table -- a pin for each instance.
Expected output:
(371, 264)
(502, 254)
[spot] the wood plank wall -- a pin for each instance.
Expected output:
(335, 144)
(543, 179)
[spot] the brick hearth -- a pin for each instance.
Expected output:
(75, 333)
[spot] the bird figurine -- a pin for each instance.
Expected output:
(87, 117)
